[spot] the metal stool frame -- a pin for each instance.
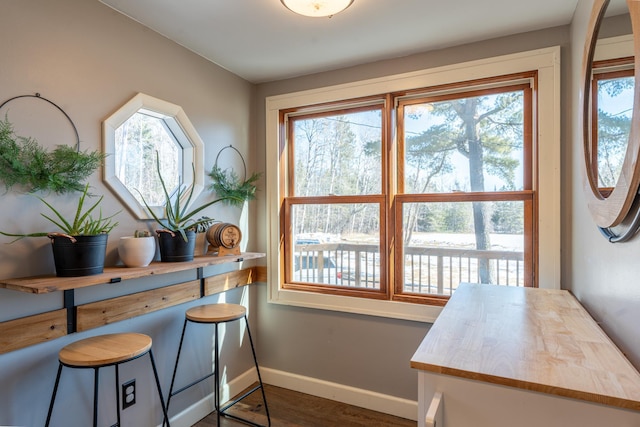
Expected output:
(96, 370)
(216, 374)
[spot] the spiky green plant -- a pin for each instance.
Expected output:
(24, 163)
(178, 218)
(83, 224)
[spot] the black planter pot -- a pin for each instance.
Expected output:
(85, 257)
(174, 248)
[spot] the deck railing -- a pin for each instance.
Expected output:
(427, 270)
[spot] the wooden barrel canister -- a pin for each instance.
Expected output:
(224, 235)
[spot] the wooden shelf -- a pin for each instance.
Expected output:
(30, 330)
(47, 284)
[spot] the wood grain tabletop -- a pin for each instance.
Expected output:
(535, 339)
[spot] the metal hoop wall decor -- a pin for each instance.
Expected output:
(38, 96)
(228, 185)
(33, 168)
(244, 165)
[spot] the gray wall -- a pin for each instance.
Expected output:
(604, 276)
(90, 60)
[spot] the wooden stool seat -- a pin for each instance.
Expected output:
(105, 349)
(216, 313)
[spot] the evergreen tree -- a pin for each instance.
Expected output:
(485, 130)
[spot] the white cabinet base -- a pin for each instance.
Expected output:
(469, 403)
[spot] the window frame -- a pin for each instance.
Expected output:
(543, 61)
(178, 127)
(525, 82)
(288, 283)
(289, 117)
(605, 69)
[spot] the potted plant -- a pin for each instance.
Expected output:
(79, 248)
(137, 250)
(177, 236)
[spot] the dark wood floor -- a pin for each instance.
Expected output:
(292, 409)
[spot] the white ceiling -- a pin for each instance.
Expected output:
(261, 40)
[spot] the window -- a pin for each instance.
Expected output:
(373, 174)
(465, 205)
(137, 142)
(133, 135)
(336, 198)
(462, 199)
(613, 87)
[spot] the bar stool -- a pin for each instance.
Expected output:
(216, 314)
(101, 351)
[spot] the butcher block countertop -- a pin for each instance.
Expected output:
(534, 339)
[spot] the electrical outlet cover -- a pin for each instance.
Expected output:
(128, 393)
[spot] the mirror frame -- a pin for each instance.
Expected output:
(611, 211)
(191, 155)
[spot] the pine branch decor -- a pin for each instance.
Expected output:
(25, 163)
(228, 185)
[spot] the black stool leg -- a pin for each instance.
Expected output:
(118, 394)
(218, 407)
(175, 369)
(95, 396)
(247, 393)
(255, 360)
(216, 366)
(53, 396)
(155, 374)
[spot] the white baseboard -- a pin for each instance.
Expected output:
(353, 396)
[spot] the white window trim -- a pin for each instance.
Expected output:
(546, 176)
(185, 135)
(614, 47)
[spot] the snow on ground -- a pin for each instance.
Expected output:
(499, 242)
(507, 242)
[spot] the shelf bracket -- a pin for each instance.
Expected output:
(200, 273)
(70, 306)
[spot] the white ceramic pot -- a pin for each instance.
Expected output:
(137, 251)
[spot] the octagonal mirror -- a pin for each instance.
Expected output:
(140, 133)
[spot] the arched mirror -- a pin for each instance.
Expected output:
(140, 133)
(611, 135)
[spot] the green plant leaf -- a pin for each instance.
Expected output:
(83, 223)
(24, 163)
(178, 216)
(227, 185)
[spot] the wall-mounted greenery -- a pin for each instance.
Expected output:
(228, 185)
(24, 163)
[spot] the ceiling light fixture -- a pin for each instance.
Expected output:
(317, 8)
